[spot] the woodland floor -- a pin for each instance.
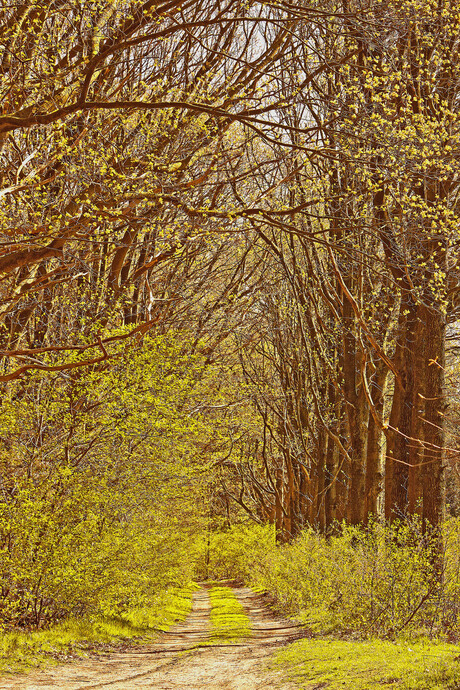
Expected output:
(183, 658)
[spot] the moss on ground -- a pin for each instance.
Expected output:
(20, 651)
(371, 665)
(229, 621)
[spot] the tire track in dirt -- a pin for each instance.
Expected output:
(183, 658)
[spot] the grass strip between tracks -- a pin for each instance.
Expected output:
(229, 621)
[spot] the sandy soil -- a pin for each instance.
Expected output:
(175, 663)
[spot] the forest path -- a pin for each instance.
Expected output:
(175, 662)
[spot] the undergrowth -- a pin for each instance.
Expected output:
(380, 610)
(371, 665)
(21, 650)
(374, 582)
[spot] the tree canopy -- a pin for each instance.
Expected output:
(228, 273)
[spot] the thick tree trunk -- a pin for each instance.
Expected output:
(342, 482)
(399, 439)
(432, 475)
(374, 444)
(357, 417)
(330, 494)
(304, 497)
(319, 519)
(279, 518)
(415, 493)
(357, 491)
(290, 521)
(416, 435)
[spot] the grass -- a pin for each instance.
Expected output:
(371, 665)
(20, 651)
(229, 621)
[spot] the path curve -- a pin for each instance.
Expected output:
(174, 662)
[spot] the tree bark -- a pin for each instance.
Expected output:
(400, 444)
(432, 475)
(374, 444)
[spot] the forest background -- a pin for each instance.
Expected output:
(229, 297)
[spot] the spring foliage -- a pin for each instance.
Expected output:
(379, 581)
(96, 511)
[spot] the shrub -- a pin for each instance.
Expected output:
(382, 580)
(232, 553)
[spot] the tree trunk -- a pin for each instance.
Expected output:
(415, 493)
(432, 484)
(342, 482)
(374, 444)
(399, 435)
(319, 513)
(330, 495)
(356, 413)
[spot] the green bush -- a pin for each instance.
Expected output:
(376, 581)
(232, 553)
(98, 470)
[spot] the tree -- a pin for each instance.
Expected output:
(380, 244)
(118, 136)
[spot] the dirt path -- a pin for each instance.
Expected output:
(174, 662)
